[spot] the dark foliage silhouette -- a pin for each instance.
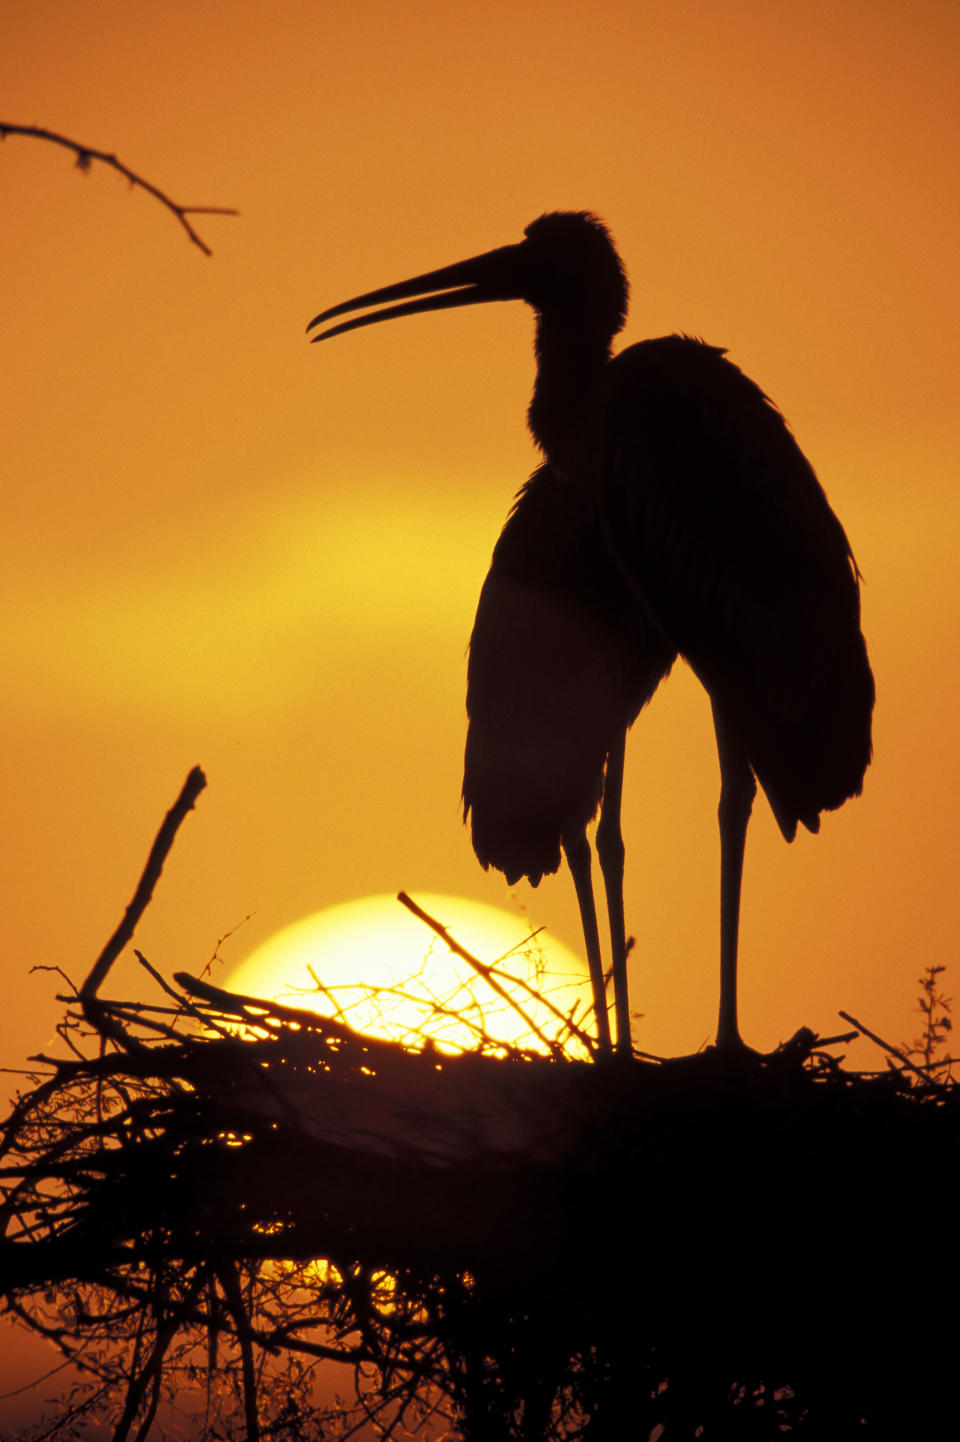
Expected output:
(719, 528)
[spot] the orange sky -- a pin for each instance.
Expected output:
(222, 546)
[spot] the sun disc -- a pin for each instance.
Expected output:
(388, 975)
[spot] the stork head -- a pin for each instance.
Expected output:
(566, 268)
(574, 271)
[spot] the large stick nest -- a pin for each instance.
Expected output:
(527, 1246)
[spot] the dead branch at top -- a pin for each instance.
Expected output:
(159, 851)
(86, 155)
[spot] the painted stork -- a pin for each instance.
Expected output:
(711, 517)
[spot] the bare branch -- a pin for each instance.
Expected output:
(85, 158)
(192, 787)
(892, 1050)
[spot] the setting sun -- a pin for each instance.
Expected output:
(388, 974)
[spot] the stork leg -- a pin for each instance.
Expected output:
(576, 848)
(610, 856)
(737, 790)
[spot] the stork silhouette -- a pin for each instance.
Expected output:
(713, 518)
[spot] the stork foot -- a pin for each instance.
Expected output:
(733, 1056)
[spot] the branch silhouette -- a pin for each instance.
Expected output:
(159, 852)
(86, 155)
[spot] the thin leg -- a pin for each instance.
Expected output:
(610, 856)
(737, 790)
(577, 851)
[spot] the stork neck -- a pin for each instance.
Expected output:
(565, 414)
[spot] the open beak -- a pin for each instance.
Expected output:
(496, 275)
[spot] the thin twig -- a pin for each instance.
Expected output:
(433, 1008)
(894, 1051)
(86, 155)
(489, 975)
(183, 1008)
(208, 969)
(339, 1011)
(184, 803)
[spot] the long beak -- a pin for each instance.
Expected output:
(496, 275)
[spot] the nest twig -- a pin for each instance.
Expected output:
(521, 1246)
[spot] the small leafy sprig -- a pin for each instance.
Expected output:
(935, 1009)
